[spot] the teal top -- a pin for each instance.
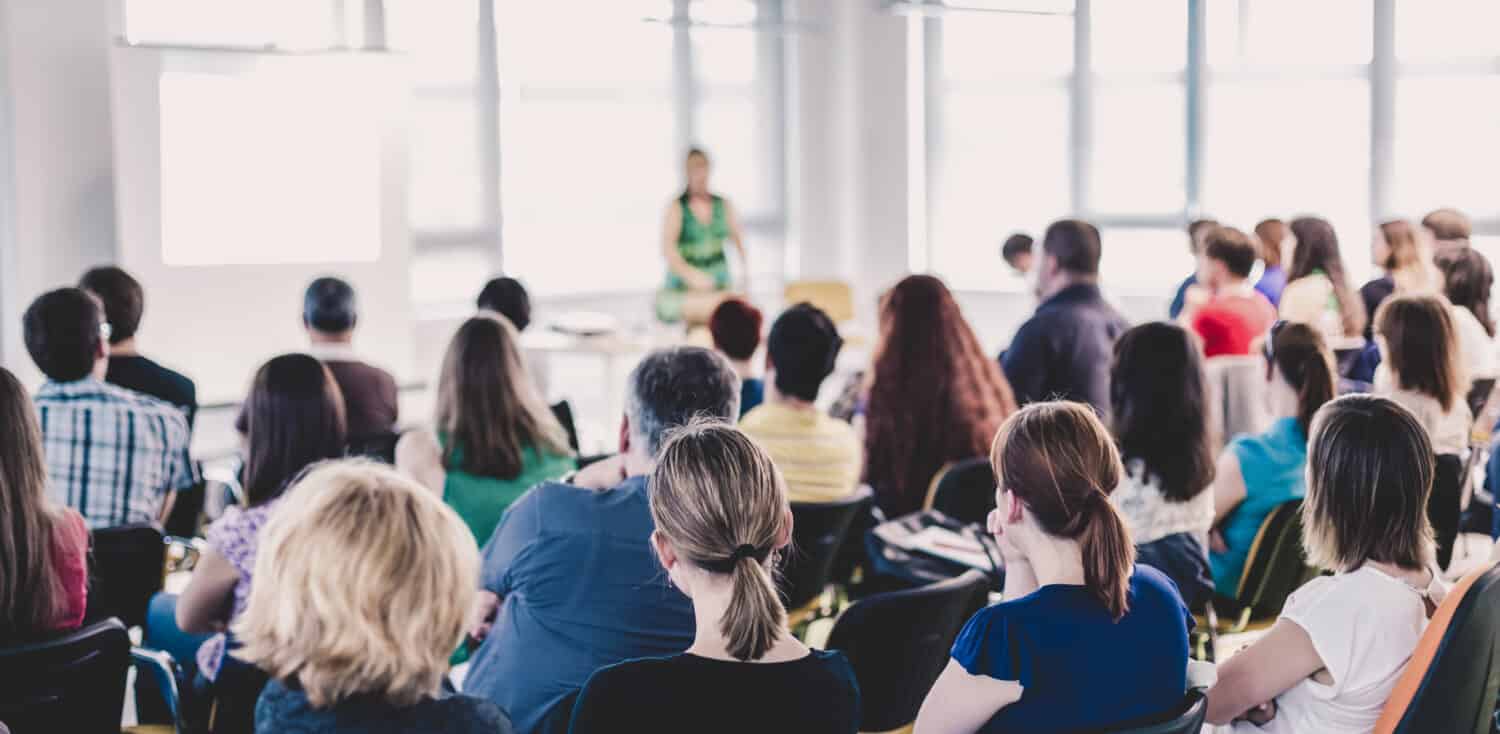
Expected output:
(701, 244)
(481, 500)
(1273, 465)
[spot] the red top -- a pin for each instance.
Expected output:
(70, 550)
(1231, 322)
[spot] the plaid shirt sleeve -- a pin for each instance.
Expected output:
(181, 470)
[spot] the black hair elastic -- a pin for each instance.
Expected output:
(742, 552)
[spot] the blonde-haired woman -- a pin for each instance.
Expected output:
(721, 516)
(370, 581)
(495, 437)
(1404, 254)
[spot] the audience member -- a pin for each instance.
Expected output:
(1467, 282)
(722, 518)
(1234, 314)
(1017, 253)
(124, 301)
(1318, 292)
(1273, 239)
(819, 455)
(1257, 473)
(1063, 351)
(493, 436)
(116, 456)
(931, 396)
(350, 651)
(735, 326)
(330, 314)
(1405, 259)
(569, 575)
(43, 546)
(1088, 636)
(508, 298)
(1160, 404)
(1421, 370)
(1449, 228)
(295, 417)
(1197, 231)
(1331, 660)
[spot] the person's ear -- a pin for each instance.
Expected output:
(664, 552)
(624, 434)
(1015, 512)
(785, 538)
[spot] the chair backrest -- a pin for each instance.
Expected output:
(126, 569)
(380, 447)
(1454, 674)
(899, 642)
(964, 490)
(832, 297)
(1187, 719)
(563, 411)
(1236, 388)
(1444, 504)
(1277, 563)
(74, 683)
(818, 531)
(1479, 394)
(233, 696)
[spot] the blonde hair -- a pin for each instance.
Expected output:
(721, 503)
(364, 582)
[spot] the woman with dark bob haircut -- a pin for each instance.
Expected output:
(1331, 660)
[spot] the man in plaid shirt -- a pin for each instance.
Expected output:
(117, 457)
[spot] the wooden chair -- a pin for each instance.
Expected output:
(833, 297)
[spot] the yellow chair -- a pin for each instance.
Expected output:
(833, 297)
(1275, 567)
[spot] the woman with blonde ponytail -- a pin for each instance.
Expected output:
(1085, 639)
(722, 517)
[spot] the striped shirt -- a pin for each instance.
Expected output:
(112, 454)
(820, 456)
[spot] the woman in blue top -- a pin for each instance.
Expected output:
(1086, 639)
(1257, 473)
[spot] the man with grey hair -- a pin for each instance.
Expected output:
(569, 582)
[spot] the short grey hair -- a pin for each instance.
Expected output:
(671, 387)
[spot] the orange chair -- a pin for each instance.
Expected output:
(1454, 674)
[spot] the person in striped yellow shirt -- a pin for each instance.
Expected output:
(820, 456)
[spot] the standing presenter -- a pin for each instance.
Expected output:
(697, 224)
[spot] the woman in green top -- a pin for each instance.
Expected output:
(697, 224)
(494, 436)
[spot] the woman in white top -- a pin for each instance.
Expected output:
(1331, 660)
(1467, 282)
(1317, 291)
(1419, 368)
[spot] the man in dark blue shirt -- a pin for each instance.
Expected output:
(1064, 350)
(570, 566)
(1197, 238)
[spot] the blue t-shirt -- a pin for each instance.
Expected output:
(1079, 668)
(1273, 465)
(752, 394)
(582, 590)
(1179, 299)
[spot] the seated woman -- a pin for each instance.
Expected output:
(722, 517)
(1317, 291)
(1331, 660)
(294, 419)
(495, 437)
(43, 547)
(1159, 403)
(1468, 281)
(1086, 638)
(931, 396)
(735, 326)
(1404, 253)
(347, 649)
(1257, 473)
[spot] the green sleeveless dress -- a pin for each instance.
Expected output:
(701, 244)
(481, 500)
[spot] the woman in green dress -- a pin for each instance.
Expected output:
(697, 224)
(494, 436)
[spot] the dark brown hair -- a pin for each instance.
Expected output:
(62, 333)
(1270, 233)
(735, 326)
(1196, 231)
(294, 418)
(1298, 352)
(1075, 244)
(935, 396)
(1318, 250)
(124, 300)
(1233, 248)
(1370, 468)
(1159, 405)
(1061, 463)
(1421, 346)
(1448, 224)
(1467, 281)
(488, 408)
(31, 593)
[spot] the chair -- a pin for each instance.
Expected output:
(563, 411)
(1236, 388)
(232, 698)
(163, 672)
(832, 297)
(126, 570)
(898, 643)
(963, 490)
(818, 531)
(1187, 719)
(1444, 505)
(1479, 394)
(74, 683)
(1275, 566)
(1451, 681)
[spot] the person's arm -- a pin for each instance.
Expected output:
(961, 702)
(1229, 485)
(1025, 363)
(737, 237)
(419, 456)
(206, 603)
(182, 474)
(671, 230)
(1261, 672)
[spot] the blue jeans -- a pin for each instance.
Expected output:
(162, 633)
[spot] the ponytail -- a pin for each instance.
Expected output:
(1317, 388)
(755, 618)
(1108, 555)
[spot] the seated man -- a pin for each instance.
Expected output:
(1017, 253)
(124, 302)
(1197, 237)
(1226, 311)
(116, 456)
(735, 328)
(569, 574)
(819, 456)
(507, 297)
